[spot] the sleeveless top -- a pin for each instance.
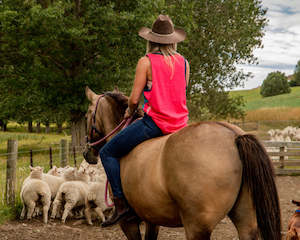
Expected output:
(165, 102)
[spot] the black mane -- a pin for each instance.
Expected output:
(122, 102)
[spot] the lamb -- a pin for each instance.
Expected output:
(55, 171)
(74, 194)
(96, 199)
(34, 191)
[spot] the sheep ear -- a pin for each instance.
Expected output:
(90, 94)
(31, 168)
(54, 168)
(42, 168)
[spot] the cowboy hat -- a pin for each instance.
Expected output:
(163, 31)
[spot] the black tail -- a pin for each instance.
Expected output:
(258, 175)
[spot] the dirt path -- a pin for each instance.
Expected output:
(288, 187)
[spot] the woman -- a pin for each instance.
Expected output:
(162, 76)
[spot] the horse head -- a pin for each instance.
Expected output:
(104, 113)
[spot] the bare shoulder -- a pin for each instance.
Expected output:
(144, 61)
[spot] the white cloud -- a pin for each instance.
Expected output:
(281, 42)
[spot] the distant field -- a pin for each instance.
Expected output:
(255, 101)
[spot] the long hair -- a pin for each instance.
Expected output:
(167, 50)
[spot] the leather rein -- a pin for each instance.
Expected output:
(123, 124)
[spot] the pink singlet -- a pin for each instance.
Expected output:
(165, 102)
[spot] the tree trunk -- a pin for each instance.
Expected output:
(38, 127)
(4, 127)
(30, 128)
(78, 130)
(59, 127)
(47, 130)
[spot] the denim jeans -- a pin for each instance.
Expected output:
(121, 144)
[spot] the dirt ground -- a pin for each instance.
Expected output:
(288, 187)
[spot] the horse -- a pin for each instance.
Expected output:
(294, 224)
(192, 178)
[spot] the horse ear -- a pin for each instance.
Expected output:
(116, 89)
(89, 94)
(297, 203)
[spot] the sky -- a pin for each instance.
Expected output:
(281, 42)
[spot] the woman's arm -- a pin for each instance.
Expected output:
(138, 85)
(187, 73)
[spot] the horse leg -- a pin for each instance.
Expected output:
(131, 229)
(151, 231)
(243, 216)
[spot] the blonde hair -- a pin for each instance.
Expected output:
(167, 50)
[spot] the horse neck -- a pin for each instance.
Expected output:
(108, 117)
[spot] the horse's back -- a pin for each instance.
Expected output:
(196, 169)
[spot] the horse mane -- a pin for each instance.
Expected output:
(122, 103)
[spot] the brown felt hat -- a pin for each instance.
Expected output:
(163, 31)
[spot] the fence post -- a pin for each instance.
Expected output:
(12, 151)
(281, 158)
(74, 155)
(63, 152)
(31, 158)
(50, 156)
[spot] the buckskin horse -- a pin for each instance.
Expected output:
(192, 178)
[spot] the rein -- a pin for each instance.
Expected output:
(124, 123)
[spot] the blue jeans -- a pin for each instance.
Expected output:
(122, 144)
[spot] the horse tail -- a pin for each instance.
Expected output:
(258, 175)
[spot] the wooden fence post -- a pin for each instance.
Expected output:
(63, 152)
(31, 158)
(50, 156)
(11, 167)
(74, 156)
(281, 158)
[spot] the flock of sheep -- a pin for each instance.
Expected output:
(288, 134)
(64, 192)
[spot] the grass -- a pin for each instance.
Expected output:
(255, 101)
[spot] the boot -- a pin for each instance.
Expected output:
(121, 210)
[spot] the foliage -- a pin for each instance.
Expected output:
(296, 77)
(276, 83)
(50, 50)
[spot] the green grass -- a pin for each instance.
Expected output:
(255, 101)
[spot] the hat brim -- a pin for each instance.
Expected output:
(177, 36)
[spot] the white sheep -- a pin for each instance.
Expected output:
(96, 197)
(34, 191)
(74, 194)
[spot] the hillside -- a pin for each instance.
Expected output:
(255, 101)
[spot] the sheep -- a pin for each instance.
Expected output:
(294, 224)
(95, 198)
(34, 190)
(74, 194)
(55, 171)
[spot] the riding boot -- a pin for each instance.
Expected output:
(121, 210)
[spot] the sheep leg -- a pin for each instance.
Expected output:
(45, 213)
(56, 208)
(23, 212)
(98, 210)
(68, 208)
(87, 213)
(31, 206)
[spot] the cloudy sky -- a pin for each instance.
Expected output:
(281, 50)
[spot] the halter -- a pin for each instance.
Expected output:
(124, 123)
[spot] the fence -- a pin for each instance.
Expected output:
(14, 165)
(285, 156)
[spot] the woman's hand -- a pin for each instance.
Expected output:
(128, 113)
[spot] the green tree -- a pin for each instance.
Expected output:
(276, 83)
(59, 47)
(296, 77)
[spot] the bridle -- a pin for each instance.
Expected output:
(124, 123)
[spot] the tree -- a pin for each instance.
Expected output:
(276, 83)
(296, 77)
(62, 46)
